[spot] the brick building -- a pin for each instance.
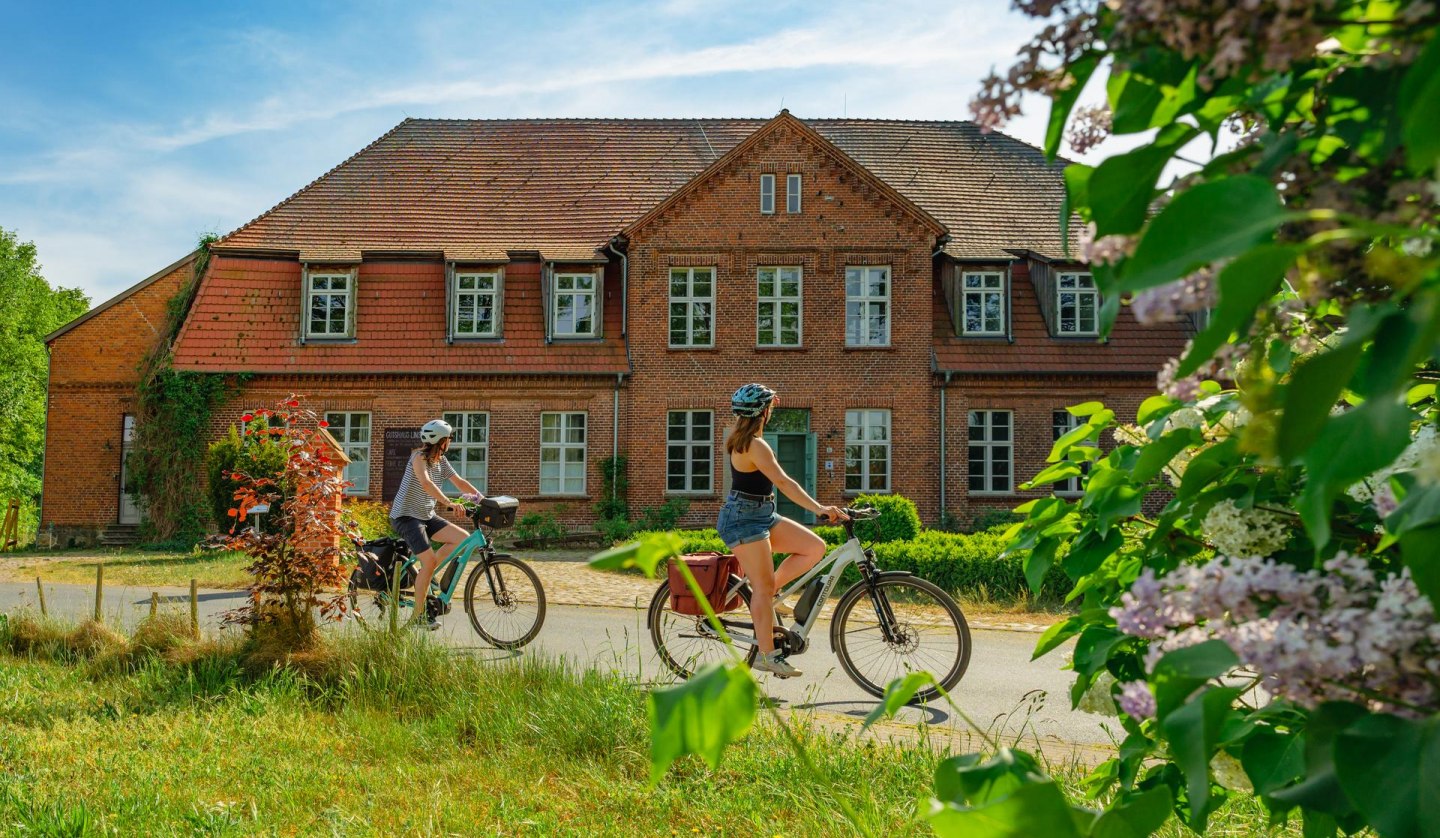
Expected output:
(564, 290)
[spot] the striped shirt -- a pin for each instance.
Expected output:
(412, 500)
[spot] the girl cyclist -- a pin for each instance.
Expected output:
(750, 526)
(413, 511)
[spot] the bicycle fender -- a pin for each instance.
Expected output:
(504, 556)
(891, 573)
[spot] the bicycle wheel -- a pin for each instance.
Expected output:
(505, 602)
(366, 604)
(687, 643)
(928, 633)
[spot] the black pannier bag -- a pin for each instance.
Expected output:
(497, 512)
(378, 559)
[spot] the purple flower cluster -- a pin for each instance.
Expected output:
(1089, 127)
(1187, 388)
(1136, 700)
(1168, 302)
(1339, 633)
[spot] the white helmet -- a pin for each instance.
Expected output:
(435, 430)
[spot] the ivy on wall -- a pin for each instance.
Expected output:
(173, 415)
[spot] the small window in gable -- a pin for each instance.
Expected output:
(767, 194)
(792, 194)
(1078, 305)
(575, 310)
(329, 305)
(476, 305)
(982, 304)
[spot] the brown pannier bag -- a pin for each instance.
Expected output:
(712, 571)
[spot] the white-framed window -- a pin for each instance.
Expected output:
(867, 450)
(982, 303)
(867, 306)
(992, 452)
(1063, 422)
(767, 194)
(562, 453)
(574, 311)
(778, 306)
(690, 452)
(1078, 304)
(476, 306)
(329, 305)
(352, 431)
(469, 451)
(792, 193)
(692, 306)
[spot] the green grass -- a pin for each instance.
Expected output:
(370, 736)
(139, 568)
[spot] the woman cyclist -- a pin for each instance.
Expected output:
(413, 511)
(750, 526)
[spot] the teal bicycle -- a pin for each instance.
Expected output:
(503, 596)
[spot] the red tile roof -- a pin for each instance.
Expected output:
(563, 187)
(246, 316)
(1130, 349)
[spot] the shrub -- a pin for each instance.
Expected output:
(373, 518)
(995, 519)
(693, 541)
(899, 519)
(539, 526)
(254, 455)
(967, 564)
(663, 517)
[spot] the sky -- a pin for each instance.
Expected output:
(128, 130)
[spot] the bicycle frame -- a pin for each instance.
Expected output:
(851, 552)
(460, 557)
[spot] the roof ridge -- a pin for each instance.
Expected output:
(332, 170)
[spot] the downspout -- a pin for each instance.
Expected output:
(629, 365)
(615, 435)
(44, 461)
(547, 285)
(944, 392)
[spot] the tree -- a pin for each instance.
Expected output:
(29, 309)
(1271, 519)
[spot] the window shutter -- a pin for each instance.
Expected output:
(354, 303)
(500, 301)
(449, 302)
(599, 301)
(304, 301)
(547, 299)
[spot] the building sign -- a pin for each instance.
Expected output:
(400, 443)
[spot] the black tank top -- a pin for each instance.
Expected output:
(750, 482)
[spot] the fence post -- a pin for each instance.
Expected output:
(40, 587)
(99, 592)
(194, 608)
(154, 603)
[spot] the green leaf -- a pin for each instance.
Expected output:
(1122, 187)
(898, 694)
(1093, 648)
(1273, 761)
(1069, 439)
(1077, 185)
(1420, 118)
(1159, 453)
(1063, 102)
(1038, 809)
(647, 553)
(1244, 284)
(1135, 817)
(1351, 446)
(700, 716)
(1320, 791)
(970, 780)
(1181, 672)
(1313, 390)
(1420, 550)
(1193, 732)
(1056, 635)
(1389, 767)
(1205, 467)
(1205, 223)
(1154, 408)
(1085, 409)
(1038, 563)
(1089, 551)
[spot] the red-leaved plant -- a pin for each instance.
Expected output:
(300, 557)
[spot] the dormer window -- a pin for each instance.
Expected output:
(329, 305)
(476, 305)
(767, 194)
(1078, 305)
(982, 304)
(792, 194)
(574, 310)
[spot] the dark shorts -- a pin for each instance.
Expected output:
(417, 533)
(743, 521)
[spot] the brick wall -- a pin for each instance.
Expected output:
(844, 221)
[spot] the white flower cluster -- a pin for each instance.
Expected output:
(1337, 633)
(1422, 456)
(1097, 699)
(1235, 531)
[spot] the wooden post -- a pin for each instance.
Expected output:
(154, 603)
(10, 532)
(40, 587)
(194, 608)
(99, 592)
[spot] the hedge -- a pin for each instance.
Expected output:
(967, 564)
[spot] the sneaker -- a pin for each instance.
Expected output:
(783, 609)
(426, 622)
(775, 665)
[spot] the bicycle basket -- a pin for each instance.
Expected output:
(712, 571)
(496, 512)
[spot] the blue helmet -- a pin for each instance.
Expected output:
(751, 400)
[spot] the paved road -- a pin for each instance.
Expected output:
(1002, 690)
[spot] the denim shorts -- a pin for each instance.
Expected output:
(417, 533)
(743, 521)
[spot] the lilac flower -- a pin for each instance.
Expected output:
(1136, 700)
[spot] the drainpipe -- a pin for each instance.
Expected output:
(44, 464)
(624, 336)
(615, 431)
(944, 391)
